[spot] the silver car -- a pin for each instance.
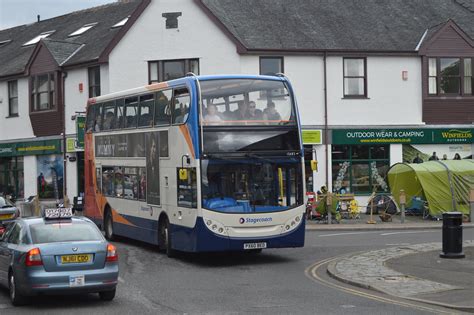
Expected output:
(8, 211)
(57, 256)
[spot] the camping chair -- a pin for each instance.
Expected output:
(418, 207)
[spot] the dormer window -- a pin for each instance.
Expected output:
(450, 76)
(38, 38)
(121, 23)
(83, 29)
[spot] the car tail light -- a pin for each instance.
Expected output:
(33, 258)
(111, 253)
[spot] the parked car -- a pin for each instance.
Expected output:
(8, 211)
(56, 255)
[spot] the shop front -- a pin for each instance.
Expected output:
(361, 158)
(30, 168)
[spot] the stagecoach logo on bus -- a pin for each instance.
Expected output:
(255, 220)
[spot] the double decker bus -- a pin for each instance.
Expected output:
(198, 164)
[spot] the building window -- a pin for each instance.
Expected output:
(94, 81)
(355, 77)
(38, 38)
(13, 98)
(450, 76)
(43, 92)
(12, 177)
(165, 70)
(360, 169)
(171, 19)
(271, 65)
(468, 70)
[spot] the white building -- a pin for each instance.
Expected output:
(376, 82)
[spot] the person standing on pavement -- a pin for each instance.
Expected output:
(417, 159)
(434, 157)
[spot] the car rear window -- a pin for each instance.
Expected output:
(53, 232)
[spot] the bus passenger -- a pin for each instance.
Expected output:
(182, 114)
(212, 115)
(270, 113)
(109, 122)
(254, 113)
(242, 111)
(98, 123)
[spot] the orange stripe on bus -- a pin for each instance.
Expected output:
(156, 86)
(185, 131)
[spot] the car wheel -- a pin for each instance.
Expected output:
(109, 226)
(107, 295)
(16, 297)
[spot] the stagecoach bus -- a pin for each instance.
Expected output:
(198, 164)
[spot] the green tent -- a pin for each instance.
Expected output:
(445, 185)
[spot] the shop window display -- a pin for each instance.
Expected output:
(12, 177)
(360, 169)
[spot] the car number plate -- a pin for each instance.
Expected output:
(255, 245)
(6, 216)
(76, 281)
(75, 259)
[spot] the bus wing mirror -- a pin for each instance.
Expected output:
(314, 165)
(183, 174)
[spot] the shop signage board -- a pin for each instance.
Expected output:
(404, 136)
(30, 148)
(312, 136)
(70, 145)
(80, 128)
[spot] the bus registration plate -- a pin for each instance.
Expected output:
(255, 245)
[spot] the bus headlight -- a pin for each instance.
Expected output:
(215, 227)
(292, 223)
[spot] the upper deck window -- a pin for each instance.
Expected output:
(246, 102)
(83, 29)
(38, 38)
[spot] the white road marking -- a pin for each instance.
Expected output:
(410, 232)
(121, 280)
(398, 244)
(350, 233)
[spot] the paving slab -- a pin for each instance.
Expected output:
(412, 272)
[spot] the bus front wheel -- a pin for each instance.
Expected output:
(109, 226)
(165, 239)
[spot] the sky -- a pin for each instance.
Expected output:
(19, 12)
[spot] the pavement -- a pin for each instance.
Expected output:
(411, 222)
(414, 272)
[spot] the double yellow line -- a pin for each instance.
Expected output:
(311, 273)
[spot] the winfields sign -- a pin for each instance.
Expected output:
(30, 148)
(406, 136)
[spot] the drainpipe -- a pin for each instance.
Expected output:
(326, 129)
(63, 99)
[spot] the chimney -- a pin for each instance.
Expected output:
(39, 18)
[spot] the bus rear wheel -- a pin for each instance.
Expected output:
(109, 226)
(165, 239)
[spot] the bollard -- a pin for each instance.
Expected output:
(403, 201)
(452, 235)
